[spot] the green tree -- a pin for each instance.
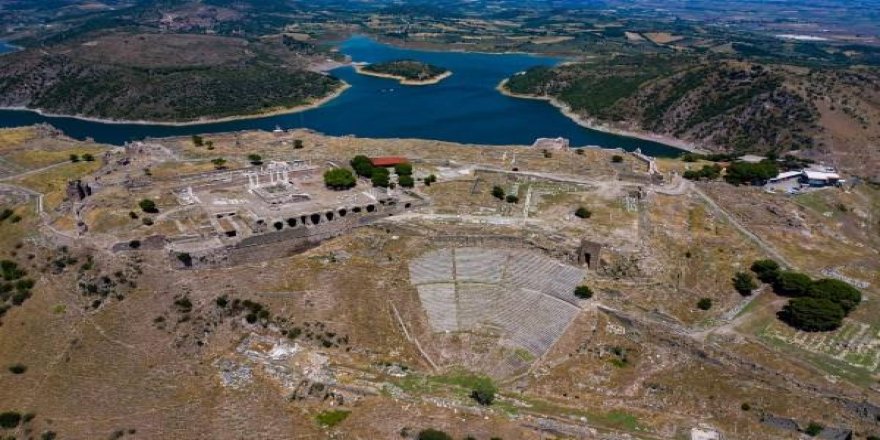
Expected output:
(74, 158)
(583, 212)
(813, 429)
(740, 173)
(511, 199)
(88, 157)
(812, 314)
(339, 179)
(617, 158)
(10, 419)
(484, 392)
(255, 159)
(766, 270)
(430, 179)
(790, 283)
(498, 192)
(362, 166)
(838, 291)
(744, 283)
(406, 181)
(403, 169)
(704, 303)
(583, 292)
(297, 144)
(197, 140)
(219, 163)
(433, 434)
(381, 177)
(148, 206)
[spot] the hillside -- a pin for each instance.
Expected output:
(172, 78)
(728, 106)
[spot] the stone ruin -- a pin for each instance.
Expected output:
(551, 144)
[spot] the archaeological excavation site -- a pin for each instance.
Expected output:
(289, 284)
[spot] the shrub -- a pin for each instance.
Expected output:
(255, 159)
(381, 177)
(704, 303)
(185, 258)
(48, 435)
(745, 406)
(148, 206)
(484, 392)
(10, 419)
(362, 166)
(339, 179)
(583, 292)
(403, 169)
(790, 283)
(744, 283)
(74, 158)
(134, 244)
(511, 199)
(147, 221)
(17, 369)
(813, 429)
(433, 434)
(430, 179)
(498, 192)
(5, 214)
(838, 291)
(583, 212)
(406, 181)
(219, 163)
(88, 157)
(617, 158)
(197, 140)
(812, 314)
(297, 144)
(766, 270)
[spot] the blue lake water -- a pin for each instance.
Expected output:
(462, 108)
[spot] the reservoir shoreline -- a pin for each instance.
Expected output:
(566, 110)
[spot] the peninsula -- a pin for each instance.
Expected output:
(408, 72)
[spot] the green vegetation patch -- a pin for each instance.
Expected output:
(411, 70)
(332, 418)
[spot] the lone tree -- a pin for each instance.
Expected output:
(812, 314)
(790, 283)
(583, 212)
(339, 179)
(219, 163)
(484, 391)
(617, 158)
(842, 293)
(9, 419)
(430, 179)
(148, 206)
(381, 177)
(88, 157)
(403, 169)
(766, 270)
(704, 303)
(297, 144)
(362, 166)
(498, 192)
(744, 283)
(511, 199)
(255, 159)
(583, 292)
(197, 140)
(74, 158)
(406, 181)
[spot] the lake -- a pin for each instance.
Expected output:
(463, 108)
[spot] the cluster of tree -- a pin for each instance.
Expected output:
(708, 172)
(404, 175)
(9, 214)
(745, 173)
(815, 305)
(498, 193)
(434, 434)
(381, 176)
(15, 288)
(339, 179)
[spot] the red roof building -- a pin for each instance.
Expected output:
(387, 161)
